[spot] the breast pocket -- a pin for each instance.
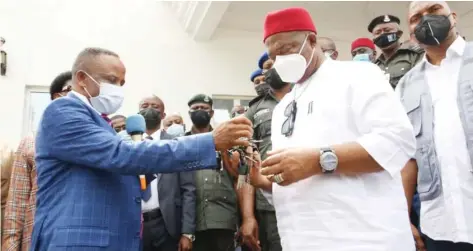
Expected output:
(414, 112)
(398, 70)
(428, 177)
(262, 126)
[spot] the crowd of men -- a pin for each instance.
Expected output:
(340, 156)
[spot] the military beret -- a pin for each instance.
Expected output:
(263, 59)
(200, 98)
(384, 19)
(255, 74)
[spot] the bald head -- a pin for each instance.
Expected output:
(328, 46)
(88, 57)
(415, 6)
(172, 119)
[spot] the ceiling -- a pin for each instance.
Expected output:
(342, 21)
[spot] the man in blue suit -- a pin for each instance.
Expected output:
(89, 195)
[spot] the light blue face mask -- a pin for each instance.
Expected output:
(362, 57)
(176, 130)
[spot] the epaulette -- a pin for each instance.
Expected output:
(256, 99)
(412, 47)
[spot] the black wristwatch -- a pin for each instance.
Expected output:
(328, 160)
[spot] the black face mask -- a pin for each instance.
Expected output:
(200, 118)
(152, 118)
(272, 78)
(432, 29)
(386, 39)
(262, 89)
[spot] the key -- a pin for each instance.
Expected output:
(242, 170)
(219, 170)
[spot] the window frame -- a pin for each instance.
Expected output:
(29, 90)
(236, 98)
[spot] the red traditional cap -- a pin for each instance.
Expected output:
(362, 42)
(290, 19)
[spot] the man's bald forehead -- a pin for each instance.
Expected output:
(89, 56)
(416, 6)
(153, 97)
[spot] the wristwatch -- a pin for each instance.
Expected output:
(189, 236)
(328, 160)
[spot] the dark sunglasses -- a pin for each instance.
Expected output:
(290, 113)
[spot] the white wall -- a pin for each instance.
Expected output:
(43, 38)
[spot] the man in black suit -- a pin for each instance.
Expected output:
(168, 204)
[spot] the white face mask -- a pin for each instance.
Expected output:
(292, 67)
(175, 130)
(110, 97)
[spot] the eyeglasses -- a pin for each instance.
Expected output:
(288, 125)
(67, 88)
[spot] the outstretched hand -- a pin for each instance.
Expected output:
(291, 165)
(256, 178)
(234, 132)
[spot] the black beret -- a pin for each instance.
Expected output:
(384, 19)
(200, 98)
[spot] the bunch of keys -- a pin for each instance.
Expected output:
(246, 161)
(219, 168)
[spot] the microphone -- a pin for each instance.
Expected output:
(135, 127)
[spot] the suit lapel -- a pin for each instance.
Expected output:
(94, 114)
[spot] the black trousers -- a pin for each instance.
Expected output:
(433, 245)
(214, 240)
(155, 235)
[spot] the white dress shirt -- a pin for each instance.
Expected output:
(450, 216)
(153, 202)
(346, 102)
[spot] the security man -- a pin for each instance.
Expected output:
(396, 58)
(216, 212)
(260, 113)
(260, 86)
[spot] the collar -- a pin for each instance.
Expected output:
(156, 135)
(83, 99)
(456, 49)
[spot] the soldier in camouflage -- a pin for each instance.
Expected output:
(396, 58)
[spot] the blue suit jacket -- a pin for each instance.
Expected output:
(89, 195)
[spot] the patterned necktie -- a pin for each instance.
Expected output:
(109, 122)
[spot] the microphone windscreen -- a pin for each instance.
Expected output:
(135, 124)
